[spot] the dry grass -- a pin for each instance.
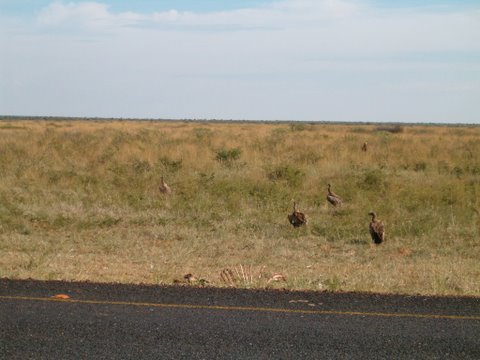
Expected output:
(79, 200)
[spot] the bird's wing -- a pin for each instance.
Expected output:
(301, 217)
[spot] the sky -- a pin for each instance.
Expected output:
(311, 60)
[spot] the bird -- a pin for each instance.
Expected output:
(377, 229)
(364, 146)
(297, 218)
(164, 188)
(333, 198)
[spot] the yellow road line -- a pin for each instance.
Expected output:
(244, 308)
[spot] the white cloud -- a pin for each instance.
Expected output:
(279, 14)
(90, 15)
(327, 25)
(330, 8)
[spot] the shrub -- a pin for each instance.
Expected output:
(228, 155)
(170, 165)
(202, 133)
(373, 179)
(457, 171)
(141, 166)
(288, 173)
(333, 283)
(394, 129)
(420, 166)
(297, 127)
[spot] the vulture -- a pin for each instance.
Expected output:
(164, 188)
(364, 146)
(297, 218)
(377, 229)
(333, 198)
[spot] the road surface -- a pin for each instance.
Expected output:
(113, 321)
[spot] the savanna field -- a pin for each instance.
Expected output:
(80, 200)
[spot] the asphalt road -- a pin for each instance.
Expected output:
(112, 321)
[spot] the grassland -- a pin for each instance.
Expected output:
(79, 200)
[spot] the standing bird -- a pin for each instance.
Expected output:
(164, 188)
(377, 229)
(297, 218)
(333, 198)
(364, 146)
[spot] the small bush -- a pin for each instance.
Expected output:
(53, 176)
(457, 171)
(228, 155)
(373, 179)
(360, 129)
(394, 129)
(297, 127)
(420, 166)
(62, 221)
(474, 170)
(170, 165)
(202, 133)
(448, 196)
(288, 173)
(333, 283)
(141, 166)
(443, 167)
